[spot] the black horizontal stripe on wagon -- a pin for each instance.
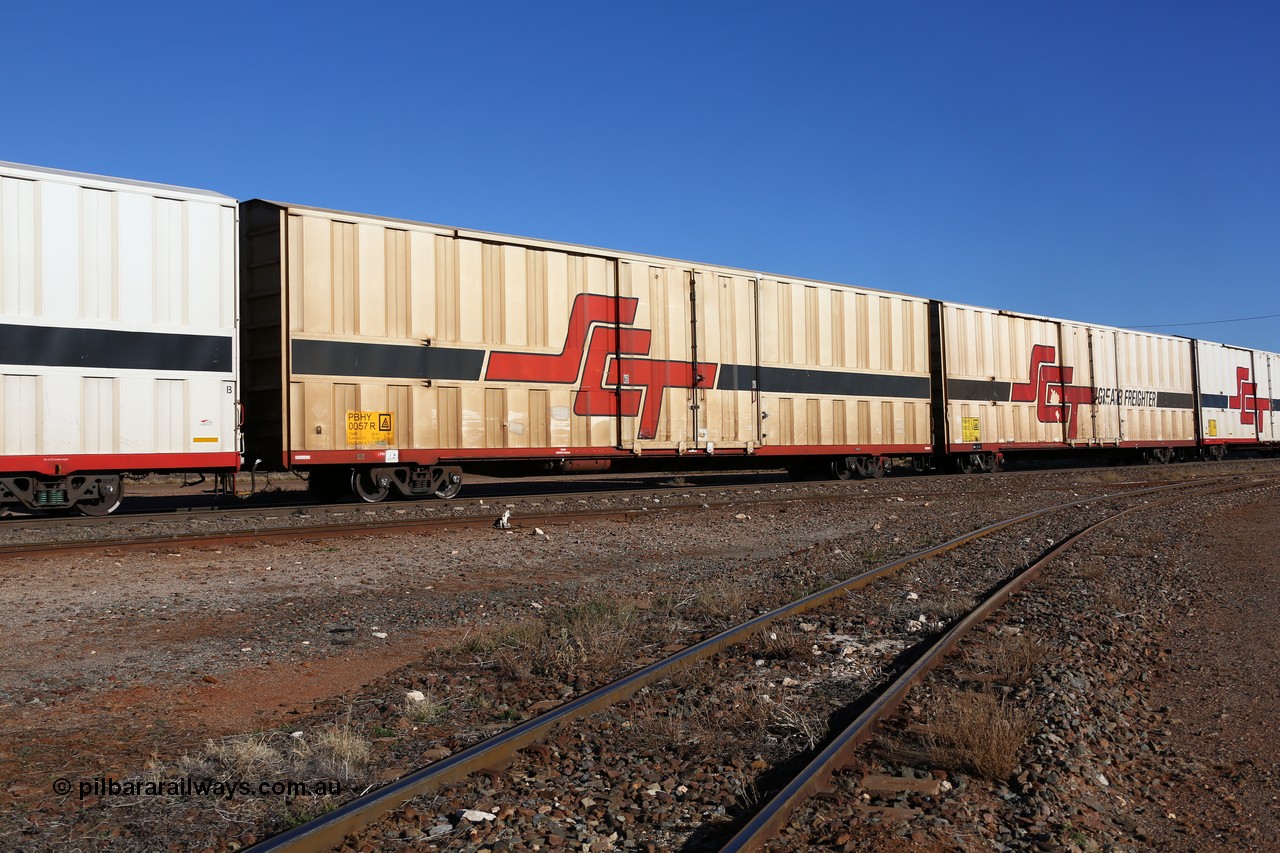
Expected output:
(345, 358)
(997, 391)
(790, 380)
(988, 390)
(1223, 401)
(113, 349)
(1174, 400)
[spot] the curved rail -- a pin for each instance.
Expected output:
(328, 831)
(773, 816)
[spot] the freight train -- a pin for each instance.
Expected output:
(150, 328)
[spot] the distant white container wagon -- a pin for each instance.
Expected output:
(118, 350)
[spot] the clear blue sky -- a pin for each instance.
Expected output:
(1117, 162)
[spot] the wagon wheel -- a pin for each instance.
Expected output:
(876, 468)
(841, 468)
(450, 488)
(370, 488)
(110, 494)
(964, 464)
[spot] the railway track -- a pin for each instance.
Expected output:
(349, 818)
(298, 518)
(768, 822)
(163, 508)
(342, 521)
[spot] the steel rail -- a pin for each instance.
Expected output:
(328, 831)
(284, 509)
(310, 531)
(293, 501)
(772, 818)
(339, 529)
(398, 525)
(299, 499)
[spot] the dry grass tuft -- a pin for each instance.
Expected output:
(595, 636)
(743, 707)
(338, 752)
(791, 722)
(781, 642)
(723, 600)
(1015, 658)
(1093, 567)
(731, 717)
(1109, 477)
(684, 729)
(977, 732)
(952, 605)
(428, 710)
(342, 751)
(265, 754)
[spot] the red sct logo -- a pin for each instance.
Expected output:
(1047, 387)
(1246, 400)
(599, 354)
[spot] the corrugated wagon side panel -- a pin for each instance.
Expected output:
(728, 341)
(18, 252)
(136, 217)
(310, 286)
(449, 306)
(1087, 357)
(1153, 391)
(1271, 421)
(826, 350)
(109, 286)
(60, 246)
(22, 415)
(1014, 380)
(1226, 380)
(421, 298)
(1000, 378)
(375, 289)
(395, 248)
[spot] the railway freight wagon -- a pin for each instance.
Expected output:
(117, 335)
(1014, 382)
(384, 355)
(1239, 396)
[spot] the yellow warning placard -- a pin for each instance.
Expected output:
(969, 431)
(366, 428)
(1213, 427)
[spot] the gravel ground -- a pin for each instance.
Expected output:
(158, 664)
(1149, 716)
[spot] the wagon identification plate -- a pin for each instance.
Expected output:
(369, 428)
